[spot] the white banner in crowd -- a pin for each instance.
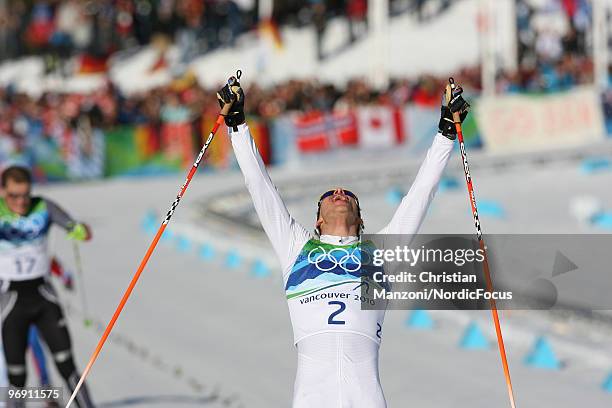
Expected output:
(526, 122)
(377, 127)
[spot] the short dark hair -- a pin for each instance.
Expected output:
(18, 174)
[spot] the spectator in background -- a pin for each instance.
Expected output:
(426, 93)
(228, 12)
(399, 92)
(357, 13)
(419, 5)
(124, 23)
(166, 21)
(191, 14)
(508, 82)
(578, 14)
(143, 21)
(13, 23)
(86, 151)
(548, 46)
(319, 20)
(41, 25)
(173, 111)
(104, 36)
(130, 111)
(73, 28)
(570, 41)
(607, 104)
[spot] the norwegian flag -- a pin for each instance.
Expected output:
(379, 126)
(317, 131)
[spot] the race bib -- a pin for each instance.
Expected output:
(326, 290)
(25, 263)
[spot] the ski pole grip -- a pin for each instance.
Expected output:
(456, 115)
(226, 109)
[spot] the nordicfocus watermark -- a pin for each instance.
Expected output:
(446, 272)
(442, 294)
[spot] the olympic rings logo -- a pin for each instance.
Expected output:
(349, 261)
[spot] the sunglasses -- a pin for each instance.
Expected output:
(332, 192)
(15, 196)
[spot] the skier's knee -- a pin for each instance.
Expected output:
(64, 363)
(16, 375)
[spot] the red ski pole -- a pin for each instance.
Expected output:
(487, 273)
(148, 254)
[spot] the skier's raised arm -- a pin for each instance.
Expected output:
(285, 233)
(411, 212)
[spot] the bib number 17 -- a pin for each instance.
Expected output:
(24, 265)
(332, 319)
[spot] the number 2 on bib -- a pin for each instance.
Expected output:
(330, 319)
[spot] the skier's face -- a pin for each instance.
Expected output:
(339, 204)
(17, 196)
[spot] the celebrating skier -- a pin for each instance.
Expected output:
(337, 342)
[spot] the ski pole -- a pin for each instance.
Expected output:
(143, 263)
(487, 273)
(79, 268)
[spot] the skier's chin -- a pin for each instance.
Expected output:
(21, 210)
(342, 204)
(344, 211)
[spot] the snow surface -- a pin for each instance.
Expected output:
(198, 333)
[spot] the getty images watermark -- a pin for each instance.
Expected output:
(447, 272)
(449, 285)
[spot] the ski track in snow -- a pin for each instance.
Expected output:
(198, 333)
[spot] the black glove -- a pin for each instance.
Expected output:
(233, 94)
(446, 126)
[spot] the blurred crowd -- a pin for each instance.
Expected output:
(53, 113)
(305, 96)
(554, 44)
(60, 29)
(549, 29)
(101, 27)
(57, 119)
(98, 28)
(570, 70)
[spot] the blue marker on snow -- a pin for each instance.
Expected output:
(233, 259)
(420, 319)
(260, 269)
(207, 252)
(473, 338)
(542, 356)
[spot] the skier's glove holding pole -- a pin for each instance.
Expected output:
(233, 95)
(452, 102)
(79, 232)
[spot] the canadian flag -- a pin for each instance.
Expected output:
(379, 126)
